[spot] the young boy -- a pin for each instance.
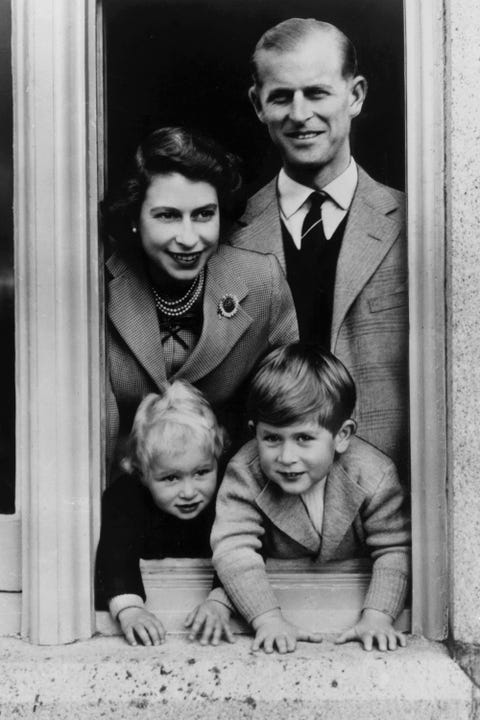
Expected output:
(305, 486)
(162, 507)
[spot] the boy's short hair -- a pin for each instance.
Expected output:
(177, 417)
(297, 381)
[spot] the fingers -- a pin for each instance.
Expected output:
(227, 633)
(268, 644)
(210, 627)
(388, 641)
(148, 632)
(190, 617)
(217, 634)
(142, 634)
(305, 636)
(384, 641)
(196, 624)
(347, 636)
(157, 632)
(222, 628)
(257, 642)
(395, 640)
(367, 641)
(283, 643)
(130, 636)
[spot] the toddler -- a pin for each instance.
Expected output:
(306, 487)
(161, 507)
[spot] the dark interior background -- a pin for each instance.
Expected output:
(7, 355)
(187, 62)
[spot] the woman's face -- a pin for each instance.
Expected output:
(179, 225)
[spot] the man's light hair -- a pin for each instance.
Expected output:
(289, 34)
(167, 423)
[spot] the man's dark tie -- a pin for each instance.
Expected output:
(313, 236)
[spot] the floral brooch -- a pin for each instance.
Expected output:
(228, 306)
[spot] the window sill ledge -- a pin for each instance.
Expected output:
(322, 598)
(105, 676)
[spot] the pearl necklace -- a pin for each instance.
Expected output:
(177, 308)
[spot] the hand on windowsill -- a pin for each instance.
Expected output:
(273, 631)
(374, 628)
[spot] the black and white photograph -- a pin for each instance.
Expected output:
(239, 382)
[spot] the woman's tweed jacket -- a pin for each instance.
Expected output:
(227, 349)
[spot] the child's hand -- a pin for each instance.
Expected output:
(213, 618)
(138, 622)
(272, 630)
(374, 626)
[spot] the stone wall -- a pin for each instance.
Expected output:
(462, 107)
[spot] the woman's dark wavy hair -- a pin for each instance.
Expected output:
(175, 150)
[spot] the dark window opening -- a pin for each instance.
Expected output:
(7, 322)
(186, 62)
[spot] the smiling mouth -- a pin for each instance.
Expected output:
(290, 476)
(304, 134)
(186, 259)
(188, 508)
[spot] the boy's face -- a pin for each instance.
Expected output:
(298, 456)
(183, 481)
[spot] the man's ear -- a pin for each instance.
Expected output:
(255, 100)
(358, 92)
(344, 435)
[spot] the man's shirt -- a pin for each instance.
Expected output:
(294, 201)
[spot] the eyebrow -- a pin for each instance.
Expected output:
(171, 208)
(290, 91)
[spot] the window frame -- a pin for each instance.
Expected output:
(58, 64)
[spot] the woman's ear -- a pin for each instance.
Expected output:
(344, 435)
(251, 427)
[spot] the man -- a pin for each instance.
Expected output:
(343, 247)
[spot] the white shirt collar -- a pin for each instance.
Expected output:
(292, 195)
(314, 500)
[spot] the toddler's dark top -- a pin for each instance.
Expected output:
(133, 527)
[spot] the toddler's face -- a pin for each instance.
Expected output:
(183, 482)
(297, 456)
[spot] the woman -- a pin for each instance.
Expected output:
(179, 304)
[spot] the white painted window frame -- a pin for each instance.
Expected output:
(59, 323)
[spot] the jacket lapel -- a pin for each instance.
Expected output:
(260, 228)
(219, 334)
(370, 232)
(289, 515)
(343, 498)
(132, 311)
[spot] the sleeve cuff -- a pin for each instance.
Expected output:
(120, 602)
(219, 595)
(387, 592)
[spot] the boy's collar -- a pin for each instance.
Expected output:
(343, 498)
(289, 514)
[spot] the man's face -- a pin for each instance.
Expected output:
(308, 107)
